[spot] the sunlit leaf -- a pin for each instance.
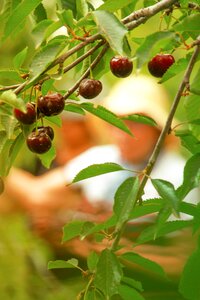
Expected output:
(108, 273)
(140, 119)
(97, 169)
(10, 98)
(19, 58)
(63, 264)
(113, 5)
(111, 29)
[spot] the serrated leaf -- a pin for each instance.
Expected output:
(20, 58)
(143, 262)
(175, 69)
(39, 32)
(167, 191)
(82, 8)
(144, 50)
(3, 138)
(63, 264)
(192, 111)
(191, 176)
(66, 16)
(56, 120)
(106, 115)
(125, 198)
(44, 58)
(111, 29)
(92, 261)
(148, 234)
(11, 99)
(189, 141)
(11, 75)
(71, 230)
(113, 5)
(189, 282)
(18, 15)
(108, 274)
(133, 283)
(126, 292)
(48, 157)
(40, 13)
(74, 108)
(97, 169)
(140, 119)
(189, 23)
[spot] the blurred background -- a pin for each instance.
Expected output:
(24, 248)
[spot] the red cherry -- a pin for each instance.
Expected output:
(29, 117)
(45, 129)
(159, 64)
(38, 142)
(51, 105)
(121, 66)
(90, 88)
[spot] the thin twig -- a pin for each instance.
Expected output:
(87, 72)
(162, 137)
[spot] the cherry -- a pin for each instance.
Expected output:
(45, 129)
(51, 104)
(121, 66)
(159, 64)
(38, 142)
(28, 117)
(90, 88)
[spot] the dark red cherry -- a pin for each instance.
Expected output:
(38, 142)
(121, 66)
(159, 64)
(51, 104)
(28, 117)
(45, 129)
(90, 88)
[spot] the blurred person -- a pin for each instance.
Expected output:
(135, 94)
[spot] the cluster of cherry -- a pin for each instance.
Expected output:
(40, 139)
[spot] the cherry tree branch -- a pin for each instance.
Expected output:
(154, 156)
(132, 21)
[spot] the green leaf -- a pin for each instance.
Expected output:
(140, 119)
(74, 108)
(3, 138)
(66, 16)
(189, 23)
(56, 120)
(126, 292)
(97, 169)
(48, 157)
(1, 186)
(72, 230)
(175, 69)
(143, 51)
(191, 176)
(63, 264)
(125, 198)
(148, 234)
(167, 191)
(18, 15)
(113, 5)
(189, 282)
(133, 283)
(108, 274)
(106, 115)
(44, 58)
(82, 8)
(8, 123)
(111, 29)
(92, 261)
(11, 75)
(143, 262)
(39, 32)
(15, 149)
(19, 58)
(189, 141)
(40, 13)
(11, 99)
